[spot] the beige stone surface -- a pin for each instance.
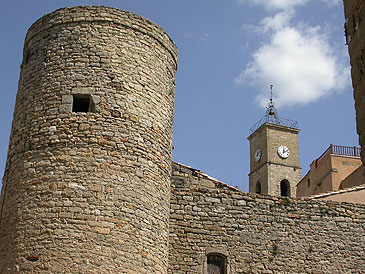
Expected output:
(89, 192)
(328, 175)
(260, 233)
(356, 178)
(271, 169)
(355, 32)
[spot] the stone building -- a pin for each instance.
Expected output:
(87, 182)
(337, 168)
(274, 155)
(355, 33)
(89, 186)
(336, 175)
(254, 233)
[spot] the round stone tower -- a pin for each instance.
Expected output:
(87, 180)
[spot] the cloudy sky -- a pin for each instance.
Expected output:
(230, 52)
(295, 55)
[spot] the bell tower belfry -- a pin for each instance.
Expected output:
(274, 155)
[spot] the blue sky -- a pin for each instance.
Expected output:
(229, 53)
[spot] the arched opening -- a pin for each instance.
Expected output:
(258, 187)
(216, 264)
(284, 188)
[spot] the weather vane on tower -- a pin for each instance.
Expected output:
(271, 86)
(271, 110)
(272, 117)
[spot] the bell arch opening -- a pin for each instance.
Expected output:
(284, 188)
(258, 188)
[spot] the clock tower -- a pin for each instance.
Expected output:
(274, 155)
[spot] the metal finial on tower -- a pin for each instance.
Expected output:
(271, 86)
(271, 110)
(272, 117)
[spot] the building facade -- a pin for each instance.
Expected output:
(355, 33)
(274, 155)
(337, 168)
(86, 187)
(255, 233)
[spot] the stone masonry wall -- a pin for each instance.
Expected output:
(258, 233)
(88, 192)
(355, 33)
(271, 169)
(279, 168)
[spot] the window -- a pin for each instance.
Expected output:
(81, 103)
(258, 187)
(215, 261)
(27, 56)
(216, 264)
(284, 188)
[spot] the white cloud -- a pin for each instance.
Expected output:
(298, 61)
(278, 21)
(276, 4)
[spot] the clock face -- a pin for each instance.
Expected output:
(283, 152)
(258, 154)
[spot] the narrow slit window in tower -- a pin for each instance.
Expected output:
(81, 103)
(258, 187)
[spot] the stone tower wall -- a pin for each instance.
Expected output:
(89, 192)
(271, 169)
(260, 233)
(355, 33)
